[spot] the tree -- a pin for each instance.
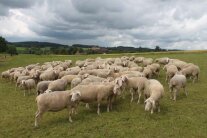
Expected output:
(157, 48)
(3, 44)
(12, 50)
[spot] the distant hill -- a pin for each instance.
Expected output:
(36, 44)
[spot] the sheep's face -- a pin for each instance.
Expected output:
(117, 90)
(148, 105)
(75, 96)
(48, 91)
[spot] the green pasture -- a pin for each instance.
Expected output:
(187, 117)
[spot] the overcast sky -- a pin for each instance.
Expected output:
(180, 24)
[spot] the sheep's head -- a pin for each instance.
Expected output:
(48, 91)
(23, 82)
(75, 96)
(149, 104)
(117, 90)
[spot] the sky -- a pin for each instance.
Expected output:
(171, 24)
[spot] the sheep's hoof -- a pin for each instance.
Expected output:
(70, 120)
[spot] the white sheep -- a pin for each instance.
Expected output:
(154, 91)
(177, 82)
(136, 84)
(28, 85)
(54, 102)
(163, 60)
(191, 71)
(75, 82)
(170, 71)
(96, 93)
(57, 85)
(49, 75)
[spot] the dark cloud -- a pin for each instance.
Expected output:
(168, 23)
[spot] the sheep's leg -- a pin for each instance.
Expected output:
(186, 92)
(108, 105)
(98, 110)
(158, 106)
(37, 117)
(87, 106)
(70, 113)
(139, 94)
(175, 94)
(152, 111)
(132, 95)
(166, 79)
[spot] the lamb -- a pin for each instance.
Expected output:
(28, 85)
(42, 87)
(155, 68)
(177, 82)
(57, 85)
(55, 101)
(136, 84)
(191, 71)
(154, 91)
(96, 93)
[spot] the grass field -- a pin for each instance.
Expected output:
(185, 118)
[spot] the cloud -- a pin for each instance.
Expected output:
(167, 23)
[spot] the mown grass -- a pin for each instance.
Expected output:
(185, 118)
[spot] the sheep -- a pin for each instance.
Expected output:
(28, 85)
(147, 61)
(138, 59)
(164, 60)
(178, 63)
(75, 82)
(135, 83)
(57, 85)
(154, 91)
(191, 71)
(177, 82)
(5, 74)
(96, 93)
(20, 79)
(42, 87)
(170, 71)
(69, 78)
(55, 101)
(49, 75)
(155, 68)
(147, 72)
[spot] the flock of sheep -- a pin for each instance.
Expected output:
(95, 80)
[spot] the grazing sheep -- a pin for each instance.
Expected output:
(154, 91)
(177, 82)
(42, 87)
(54, 102)
(163, 60)
(96, 93)
(155, 68)
(69, 78)
(28, 85)
(136, 84)
(57, 85)
(147, 72)
(5, 74)
(191, 71)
